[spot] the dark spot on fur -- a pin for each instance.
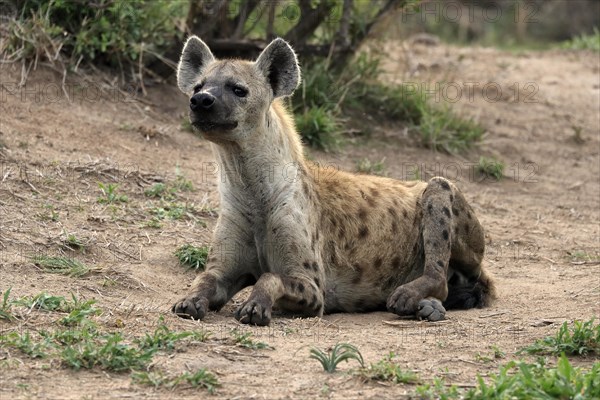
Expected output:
(446, 212)
(363, 232)
(313, 302)
(362, 213)
(405, 213)
(395, 202)
(306, 265)
(451, 198)
(374, 192)
(466, 228)
(396, 262)
(442, 221)
(378, 262)
(468, 215)
(444, 185)
(455, 211)
(317, 282)
(440, 263)
(301, 287)
(392, 212)
(315, 266)
(445, 234)
(429, 208)
(305, 188)
(358, 273)
(394, 227)
(371, 201)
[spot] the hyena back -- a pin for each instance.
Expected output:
(309, 240)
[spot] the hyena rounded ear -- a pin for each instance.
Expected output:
(195, 57)
(279, 65)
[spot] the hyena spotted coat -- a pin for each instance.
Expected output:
(317, 242)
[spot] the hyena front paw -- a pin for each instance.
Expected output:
(404, 301)
(431, 309)
(254, 312)
(191, 307)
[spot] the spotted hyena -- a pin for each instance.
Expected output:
(313, 242)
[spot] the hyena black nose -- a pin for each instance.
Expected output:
(202, 101)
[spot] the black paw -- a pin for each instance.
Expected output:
(191, 307)
(431, 309)
(404, 301)
(254, 312)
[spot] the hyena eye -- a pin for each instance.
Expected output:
(239, 91)
(198, 87)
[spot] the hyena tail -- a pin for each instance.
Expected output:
(475, 293)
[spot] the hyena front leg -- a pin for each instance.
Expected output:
(229, 269)
(423, 296)
(299, 294)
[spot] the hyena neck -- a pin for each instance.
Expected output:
(267, 160)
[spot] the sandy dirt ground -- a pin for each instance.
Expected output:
(541, 114)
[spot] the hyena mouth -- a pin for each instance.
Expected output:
(207, 126)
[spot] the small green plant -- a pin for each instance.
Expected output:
(79, 311)
(5, 307)
(490, 168)
(437, 390)
(365, 166)
(319, 128)
(192, 256)
(73, 242)
(50, 213)
(24, 343)
(584, 42)
(108, 352)
(521, 380)
(582, 256)
(183, 184)
(172, 211)
(43, 301)
(582, 339)
(201, 378)
(110, 195)
(338, 353)
(244, 339)
(165, 339)
(386, 370)
(442, 130)
(161, 191)
(62, 265)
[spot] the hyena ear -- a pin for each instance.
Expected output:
(279, 65)
(195, 57)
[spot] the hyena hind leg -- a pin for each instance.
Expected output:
(439, 227)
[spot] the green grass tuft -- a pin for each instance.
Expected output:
(521, 380)
(584, 42)
(165, 339)
(192, 256)
(110, 195)
(386, 370)
(365, 166)
(62, 265)
(6, 306)
(582, 339)
(340, 352)
(491, 168)
(244, 339)
(201, 378)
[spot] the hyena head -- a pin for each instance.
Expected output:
(229, 98)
